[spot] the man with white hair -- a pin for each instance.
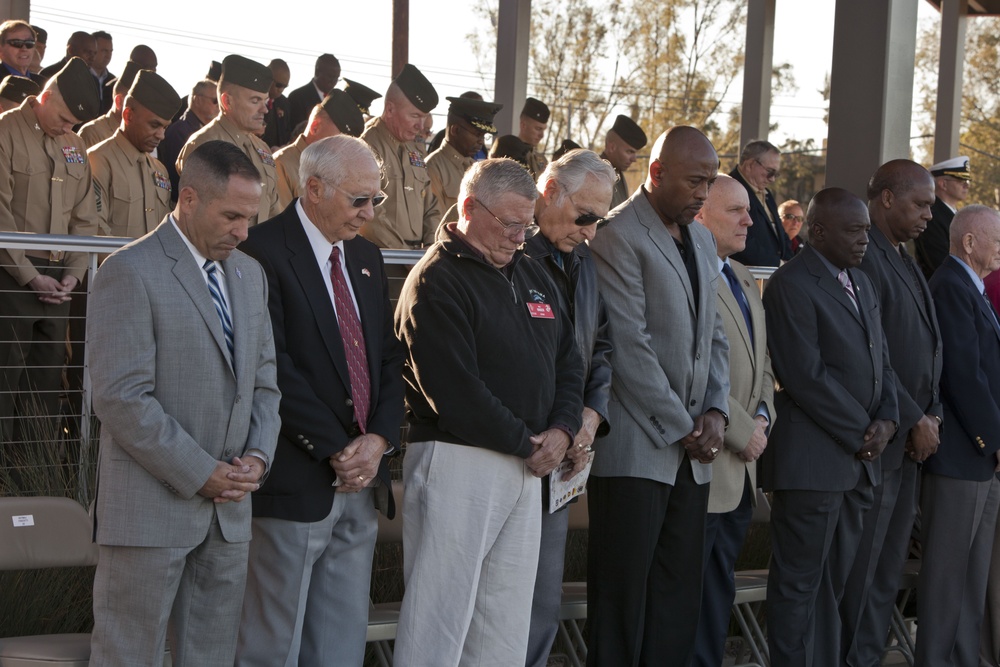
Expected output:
(494, 389)
(339, 371)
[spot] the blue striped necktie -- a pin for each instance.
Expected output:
(220, 305)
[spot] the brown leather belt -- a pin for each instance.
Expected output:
(55, 256)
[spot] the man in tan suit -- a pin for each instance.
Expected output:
(243, 88)
(732, 496)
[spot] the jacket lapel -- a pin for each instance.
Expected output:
(665, 243)
(829, 284)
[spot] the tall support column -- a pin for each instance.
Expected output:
(757, 68)
(954, 16)
(400, 35)
(15, 9)
(513, 39)
(871, 89)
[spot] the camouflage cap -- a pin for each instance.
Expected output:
(76, 85)
(153, 92)
(18, 88)
(245, 72)
(343, 111)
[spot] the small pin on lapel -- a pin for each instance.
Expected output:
(239, 274)
(366, 273)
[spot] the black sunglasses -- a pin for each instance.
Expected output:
(21, 43)
(586, 219)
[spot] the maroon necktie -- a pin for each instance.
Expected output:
(354, 342)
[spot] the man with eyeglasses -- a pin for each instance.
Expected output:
(574, 196)
(792, 217)
(494, 391)
(767, 242)
(277, 125)
(242, 95)
(203, 106)
(337, 114)
(468, 122)
(340, 375)
(104, 126)
(951, 187)
(17, 48)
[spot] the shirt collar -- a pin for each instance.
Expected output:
(976, 280)
(320, 245)
(828, 264)
(198, 257)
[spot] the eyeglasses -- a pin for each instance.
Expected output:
(587, 218)
(21, 43)
(771, 173)
(796, 218)
(360, 201)
(511, 229)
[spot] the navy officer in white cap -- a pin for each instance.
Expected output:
(951, 187)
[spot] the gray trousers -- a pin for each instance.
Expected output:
(958, 520)
(308, 587)
(547, 599)
(197, 590)
(471, 525)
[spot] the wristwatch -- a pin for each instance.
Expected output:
(725, 417)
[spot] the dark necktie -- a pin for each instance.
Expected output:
(741, 298)
(220, 306)
(354, 342)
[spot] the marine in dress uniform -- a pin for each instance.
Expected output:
(468, 122)
(131, 187)
(336, 114)
(45, 188)
(623, 141)
(243, 88)
(104, 126)
(534, 120)
(410, 215)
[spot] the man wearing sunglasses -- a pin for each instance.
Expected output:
(575, 194)
(17, 48)
(767, 242)
(494, 386)
(340, 375)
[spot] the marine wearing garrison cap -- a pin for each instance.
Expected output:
(566, 146)
(242, 92)
(102, 128)
(76, 85)
(510, 146)
(338, 113)
(410, 215)
(534, 120)
(16, 89)
(623, 141)
(468, 122)
(361, 94)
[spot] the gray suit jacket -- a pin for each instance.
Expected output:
(832, 363)
(670, 363)
(751, 382)
(169, 402)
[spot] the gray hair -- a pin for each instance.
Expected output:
(971, 219)
(333, 159)
(487, 180)
(757, 148)
(572, 169)
(202, 88)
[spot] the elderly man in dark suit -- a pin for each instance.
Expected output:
(836, 412)
(733, 492)
(340, 373)
(186, 390)
(900, 194)
(669, 405)
(767, 242)
(960, 492)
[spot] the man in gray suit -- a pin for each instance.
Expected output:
(733, 494)
(900, 195)
(836, 412)
(669, 403)
(183, 370)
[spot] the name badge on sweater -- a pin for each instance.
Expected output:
(541, 311)
(161, 181)
(73, 155)
(265, 157)
(416, 159)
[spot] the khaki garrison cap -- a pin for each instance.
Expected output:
(362, 95)
(18, 88)
(245, 72)
(78, 89)
(344, 112)
(417, 88)
(153, 92)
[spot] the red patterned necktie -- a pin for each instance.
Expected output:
(354, 342)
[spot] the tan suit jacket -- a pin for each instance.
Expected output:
(223, 129)
(131, 188)
(101, 128)
(751, 382)
(286, 162)
(446, 167)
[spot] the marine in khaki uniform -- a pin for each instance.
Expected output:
(243, 88)
(622, 142)
(103, 127)
(363, 95)
(131, 187)
(338, 113)
(534, 120)
(45, 188)
(468, 122)
(410, 215)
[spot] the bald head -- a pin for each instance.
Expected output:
(975, 238)
(679, 177)
(144, 56)
(838, 227)
(900, 196)
(726, 213)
